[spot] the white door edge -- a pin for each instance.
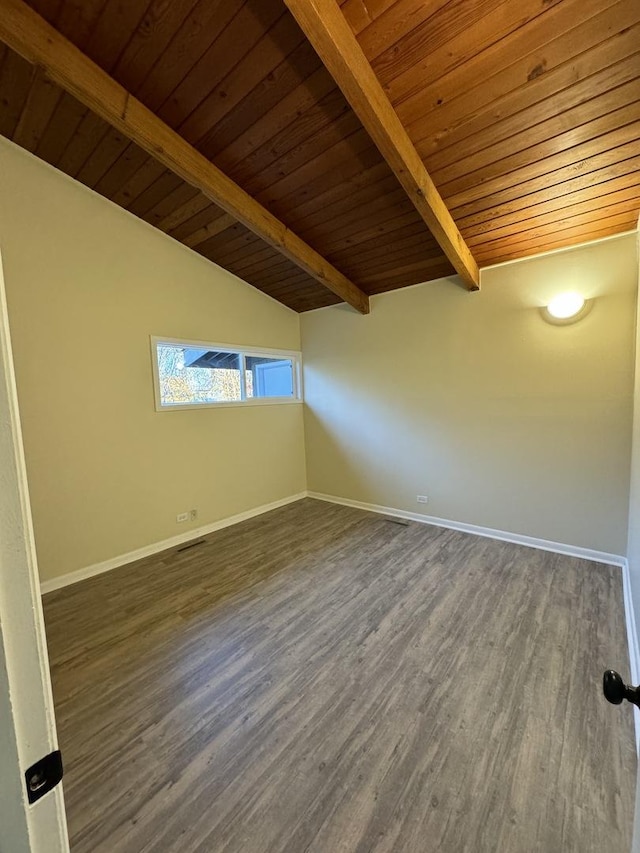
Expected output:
(26, 700)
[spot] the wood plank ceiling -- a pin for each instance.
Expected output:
(526, 115)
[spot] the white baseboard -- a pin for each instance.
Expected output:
(488, 532)
(149, 550)
(194, 533)
(632, 641)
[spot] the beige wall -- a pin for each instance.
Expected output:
(87, 284)
(502, 419)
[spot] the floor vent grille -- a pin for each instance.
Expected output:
(188, 545)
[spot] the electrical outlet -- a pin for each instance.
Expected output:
(193, 514)
(183, 516)
(422, 499)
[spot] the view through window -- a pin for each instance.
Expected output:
(190, 374)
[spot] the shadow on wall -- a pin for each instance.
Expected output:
(506, 463)
(339, 453)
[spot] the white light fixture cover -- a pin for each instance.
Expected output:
(565, 306)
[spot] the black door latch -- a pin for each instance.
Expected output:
(44, 775)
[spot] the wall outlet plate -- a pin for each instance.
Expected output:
(183, 516)
(193, 514)
(422, 499)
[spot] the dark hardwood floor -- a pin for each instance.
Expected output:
(322, 680)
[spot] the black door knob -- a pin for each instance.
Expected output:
(615, 690)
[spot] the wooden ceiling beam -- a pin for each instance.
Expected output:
(327, 29)
(29, 35)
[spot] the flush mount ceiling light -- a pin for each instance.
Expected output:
(566, 308)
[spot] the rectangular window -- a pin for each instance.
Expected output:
(189, 374)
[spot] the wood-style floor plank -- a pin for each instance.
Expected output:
(323, 679)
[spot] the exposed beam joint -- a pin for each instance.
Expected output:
(330, 34)
(29, 35)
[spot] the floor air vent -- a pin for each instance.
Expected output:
(193, 544)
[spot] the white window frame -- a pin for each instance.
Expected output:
(294, 355)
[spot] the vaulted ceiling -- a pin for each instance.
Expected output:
(525, 114)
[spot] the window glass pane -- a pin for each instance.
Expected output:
(269, 377)
(189, 375)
